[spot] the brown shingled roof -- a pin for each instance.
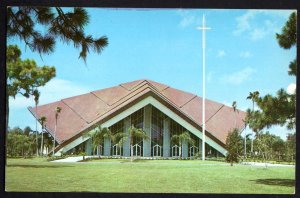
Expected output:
(82, 112)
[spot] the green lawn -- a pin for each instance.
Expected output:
(172, 176)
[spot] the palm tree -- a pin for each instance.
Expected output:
(98, 136)
(234, 110)
(180, 139)
(133, 133)
(48, 142)
(36, 95)
(253, 96)
(57, 112)
(234, 106)
(43, 119)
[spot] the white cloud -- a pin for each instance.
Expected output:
(276, 13)
(291, 89)
(187, 18)
(20, 102)
(243, 23)
(258, 33)
(255, 31)
(267, 28)
(221, 53)
(186, 21)
(54, 90)
(238, 77)
(245, 54)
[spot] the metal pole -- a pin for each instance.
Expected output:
(203, 28)
(203, 89)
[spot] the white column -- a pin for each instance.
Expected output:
(200, 146)
(88, 147)
(147, 129)
(126, 144)
(166, 136)
(107, 146)
(185, 149)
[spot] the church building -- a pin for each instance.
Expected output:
(160, 110)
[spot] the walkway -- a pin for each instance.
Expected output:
(268, 164)
(79, 158)
(72, 159)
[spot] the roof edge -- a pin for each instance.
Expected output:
(156, 96)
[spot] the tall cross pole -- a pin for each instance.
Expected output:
(203, 28)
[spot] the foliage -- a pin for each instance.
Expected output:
(291, 147)
(98, 136)
(22, 142)
(281, 108)
(288, 37)
(273, 110)
(252, 96)
(181, 139)
(23, 22)
(24, 76)
(42, 120)
(234, 105)
(135, 133)
(234, 146)
(57, 112)
(271, 147)
(18, 144)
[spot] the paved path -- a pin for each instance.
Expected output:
(79, 158)
(268, 164)
(72, 159)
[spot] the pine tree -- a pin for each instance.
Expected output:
(67, 26)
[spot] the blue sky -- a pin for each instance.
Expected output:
(163, 45)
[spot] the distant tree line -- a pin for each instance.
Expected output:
(22, 142)
(266, 147)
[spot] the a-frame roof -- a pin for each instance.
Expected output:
(82, 112)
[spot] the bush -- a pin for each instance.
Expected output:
(234, 145)
(55, 158)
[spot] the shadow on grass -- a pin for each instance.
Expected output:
(276, 182)
(37, 166)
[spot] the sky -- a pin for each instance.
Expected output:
(164, 45)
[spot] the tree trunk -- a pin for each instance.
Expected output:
(252, 130)
(42, 143)
(245, 147)
(131, 153)
(252, 142)
(263, 155)
(180, 146)
(36, 131)
(54, 137)
(99, 153)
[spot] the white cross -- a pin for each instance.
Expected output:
(203, 28)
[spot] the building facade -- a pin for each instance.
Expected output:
(161, 111)
(159, 127)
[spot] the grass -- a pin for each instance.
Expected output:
(165, 176)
